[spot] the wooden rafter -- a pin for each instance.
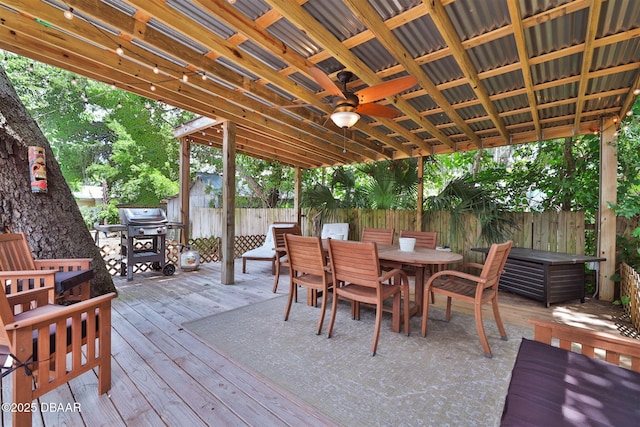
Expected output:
(448, 32)
(587, 57)
(525, 66)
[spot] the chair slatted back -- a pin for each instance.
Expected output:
(15, 254)
(355, 262)
(306, 255)
(424, 239)
(279, 233)
(494, 264)
(381, 236)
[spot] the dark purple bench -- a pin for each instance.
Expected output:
(553, 386)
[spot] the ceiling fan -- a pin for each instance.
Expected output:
(349, 105)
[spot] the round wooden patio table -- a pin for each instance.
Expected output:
(420, 258)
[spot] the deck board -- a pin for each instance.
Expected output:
(164, 375)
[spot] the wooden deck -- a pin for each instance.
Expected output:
(163, 375)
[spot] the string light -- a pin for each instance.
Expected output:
(119, 50)
(636, 91)
(69, 13)
(74, 81)
(152, 87)
(113, 85)
(31, 67)
(204, 76)
(629, 113)
(155, 69)
(185, 78)
(119, 104)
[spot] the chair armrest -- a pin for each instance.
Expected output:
(64, 311)
(470, 265)
(391, 273)
(27, 274)
(40, 278)
(39, 295)
(454, 273)
(63, 264)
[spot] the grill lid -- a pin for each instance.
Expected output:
(142, 216)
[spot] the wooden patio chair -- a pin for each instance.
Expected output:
(72, 277)
(382, 236)
(265, 252)
(358, 278)
(282, 260)
(308, 267)
(477, 290)
(51, 344)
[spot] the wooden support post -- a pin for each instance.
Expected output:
(420, 193)
(297, 194)
(185, 185)
(228, 201)
(607, 218)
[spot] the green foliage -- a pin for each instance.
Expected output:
(624, 300)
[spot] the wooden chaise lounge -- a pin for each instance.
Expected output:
(267, 251)
(591, 379)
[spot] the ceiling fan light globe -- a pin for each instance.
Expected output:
(345, 119)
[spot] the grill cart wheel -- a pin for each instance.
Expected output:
(169, 269)
(156, 266)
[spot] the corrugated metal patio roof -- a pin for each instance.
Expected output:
(489, 73)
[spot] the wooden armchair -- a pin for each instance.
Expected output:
(357, 277)
(282, 260)
(71, 277)
(308, 268)
(51, 344)
(477, 290)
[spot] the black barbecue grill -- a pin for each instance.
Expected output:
(142, 239)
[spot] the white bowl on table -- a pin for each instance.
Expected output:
(407, 244)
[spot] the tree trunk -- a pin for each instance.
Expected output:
(51, 221)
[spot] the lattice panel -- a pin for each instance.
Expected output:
(209, 252)
(630, 286)
(209, 249)
(111, 256)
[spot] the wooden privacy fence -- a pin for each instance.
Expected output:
(553, 231)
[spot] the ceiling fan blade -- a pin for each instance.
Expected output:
(386, 89)
(377, 110)
(326, 83)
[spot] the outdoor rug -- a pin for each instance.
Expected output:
(440, 380)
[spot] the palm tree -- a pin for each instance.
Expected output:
(462, 196)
